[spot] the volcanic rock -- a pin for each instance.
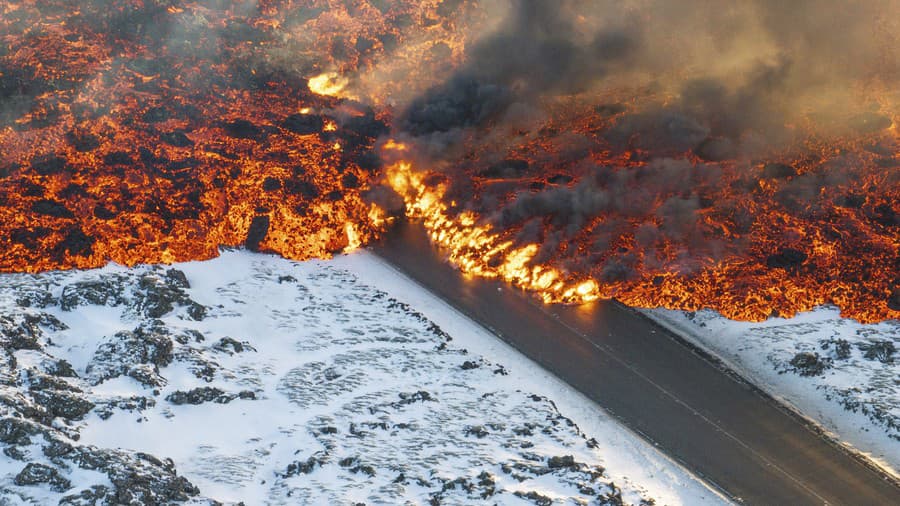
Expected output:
(350, 181)
(561, 462)
(63, 404)
(366, 125)
(243, 129)
(177, 139)
(881, 350)
(61, 368)
(37, 380)
(230, 345)
(137, 478)
(19, 333)
(51, 208)
(156, 115)
(208, 394)
(108, 291)
(17, 431)
(778, 171)
(271, 184)
(83, 141)
(295, 468)
(105, 408)
(6, 170)
(559, 179)
(885, 215)
(509, 168)
(48, 165)
(259, 227)
(155, 296)
(37, 474)
(894, 300)
(93, 496)
(303, 188)
(75, 242)
(786, 259)
(161, 296)
(199, 396)
(120, 354)
(73, 192)
(117, 158)
(101, 212)
(303, 124)
(809, 364)
(364, 44)
(369, 161)
(146, 375)
(850, 200)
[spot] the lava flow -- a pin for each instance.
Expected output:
(748, 246)
(158, 131)
(741, 162)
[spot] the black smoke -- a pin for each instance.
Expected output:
(747, 72)
(745, 88)
(537, 51)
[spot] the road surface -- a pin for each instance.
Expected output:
(718, 426)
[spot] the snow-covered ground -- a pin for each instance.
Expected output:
(840, 373)
(252, 378)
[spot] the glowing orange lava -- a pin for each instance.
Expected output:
(141, 131)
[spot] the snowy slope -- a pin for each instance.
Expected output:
(252, 378)
(843, 374)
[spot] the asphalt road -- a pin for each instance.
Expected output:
(717, 425)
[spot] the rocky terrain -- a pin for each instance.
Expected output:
(259, 380)
(843, 374)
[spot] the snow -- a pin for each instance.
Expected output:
(365, 388)
(854, 397)
(634, 460)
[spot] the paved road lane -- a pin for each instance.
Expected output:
(718, 426)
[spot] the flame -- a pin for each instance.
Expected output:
(354, 240)
(474, 248)
(120, 145)
(743, 282)
(330, 84)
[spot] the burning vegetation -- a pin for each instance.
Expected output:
(667, 154)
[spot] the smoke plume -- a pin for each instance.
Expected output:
(650, 136)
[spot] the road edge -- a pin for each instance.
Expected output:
(686, 339)
(650, 444)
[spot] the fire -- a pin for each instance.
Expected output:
(480, 251)
(354, 241)
(146, 131)
(743, 281)
(329, 83)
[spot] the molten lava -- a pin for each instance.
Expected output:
(158, 131)
(748, 239)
